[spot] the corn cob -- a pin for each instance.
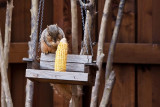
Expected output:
(61, 56)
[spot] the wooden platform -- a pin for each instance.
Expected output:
(79, 70)
(77, 78)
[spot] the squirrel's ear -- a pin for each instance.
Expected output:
(47, 28)
(56, 25)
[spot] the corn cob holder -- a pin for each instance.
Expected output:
(61, 56)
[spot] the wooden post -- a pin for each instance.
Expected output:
(32, 51)
(4, 56)
(100, 55)
(109, 65)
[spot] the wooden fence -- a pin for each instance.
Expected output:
(137, 56)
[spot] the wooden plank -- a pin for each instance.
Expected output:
(144, 86)
(156, 40)
(156, 21)
(3, 5)
(139, 53)
(123, 93)
(134, 53)
(57, 77)
(21, 21)
(145, 31)
(17, 52)
(144, 21)
(71, 58)
(69, 66)
(155, 80)
(18, 82)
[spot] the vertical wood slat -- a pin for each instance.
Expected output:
(148, 76)
(18, 82)
(156, 68)
(144, 78)
(123, 93)
(21, 21)
(156, 22)
(3, 16)
(144, 27)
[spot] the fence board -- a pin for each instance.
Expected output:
(156, 68)
(144, 79)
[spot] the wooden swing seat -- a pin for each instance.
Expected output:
(79, 70)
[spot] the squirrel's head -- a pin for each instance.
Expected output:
(53, 31)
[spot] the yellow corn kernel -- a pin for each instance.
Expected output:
(61, 56)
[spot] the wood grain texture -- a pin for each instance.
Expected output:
(71, 58)
(69, 66)
(134, 53)
(144, 86)
(155, 21)
(123, 93)
(21, 21)
(57, 77)
(144, 75)
(144, 27)
(155, 68)
(18, 90)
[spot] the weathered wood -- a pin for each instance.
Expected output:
(69, 66)
(71, 58)
(108, 89)
(100, 54)
(32, 44)
(4, 51)
(57, 77)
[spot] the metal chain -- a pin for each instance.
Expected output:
(35, 33)
(40, 30)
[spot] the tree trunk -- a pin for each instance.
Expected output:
(74, 27)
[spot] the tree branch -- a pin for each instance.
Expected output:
(109, 65)
(4, 54)
(32, 51)
(74, 27)
(107, 89)
(100, 55)
(114, 39)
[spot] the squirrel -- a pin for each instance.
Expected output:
(50, 38)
